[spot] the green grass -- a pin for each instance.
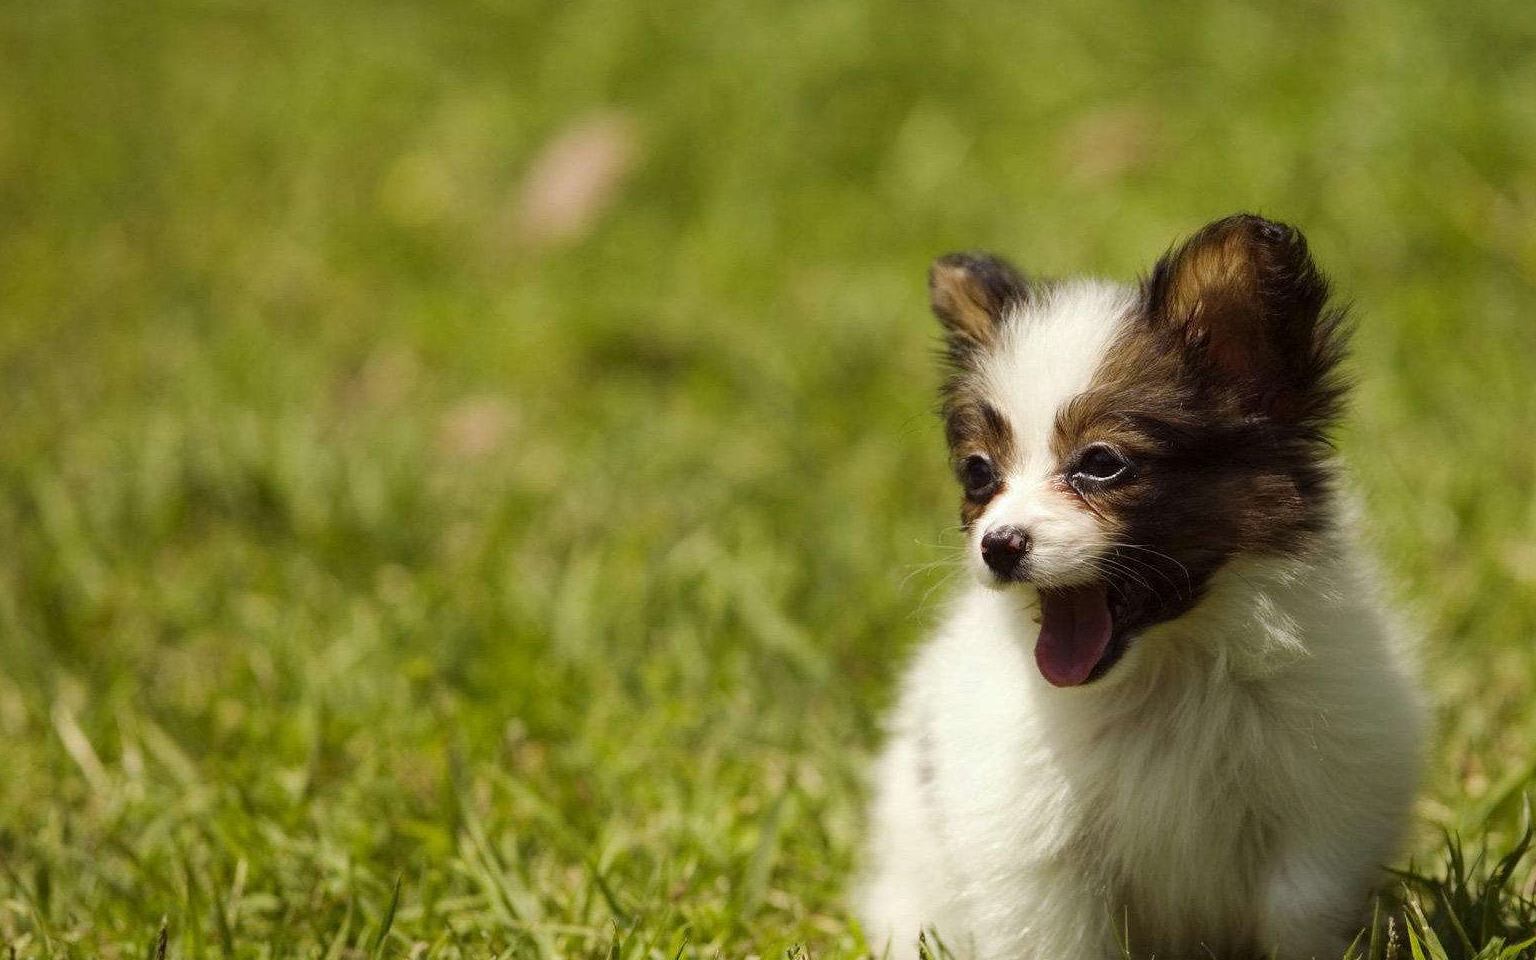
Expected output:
(377, 580)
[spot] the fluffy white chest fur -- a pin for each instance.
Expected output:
(1235, 784)
(1210, 751)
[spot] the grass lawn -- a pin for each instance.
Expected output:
(409, 549)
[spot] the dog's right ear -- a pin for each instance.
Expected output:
(971, 294)
(1252, 307)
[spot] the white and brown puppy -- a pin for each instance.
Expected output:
(1170, 716)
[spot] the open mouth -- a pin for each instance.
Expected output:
(1085, 630)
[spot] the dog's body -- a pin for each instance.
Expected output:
(1212, 749)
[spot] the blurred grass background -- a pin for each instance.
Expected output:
(487, 445)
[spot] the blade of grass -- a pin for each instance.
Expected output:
(388, 922)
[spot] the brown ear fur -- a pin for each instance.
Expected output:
(1251, 305)
(971, 294)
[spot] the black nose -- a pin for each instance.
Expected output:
(1004, 549)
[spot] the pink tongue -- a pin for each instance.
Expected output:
(1074, 632)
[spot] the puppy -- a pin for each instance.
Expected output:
(1170, 717)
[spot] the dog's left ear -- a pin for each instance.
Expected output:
(1252, 306)
(971, 294)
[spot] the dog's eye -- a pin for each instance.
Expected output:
(1099, 464)
(977, 476)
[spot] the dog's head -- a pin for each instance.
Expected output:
(1117, 445)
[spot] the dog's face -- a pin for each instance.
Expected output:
(1115, 445)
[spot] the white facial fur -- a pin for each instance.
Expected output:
(1048, 355)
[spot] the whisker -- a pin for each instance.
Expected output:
(922, 605)
(1188, 580)
(921, 568)
(1144, 565)
(1116, 567)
